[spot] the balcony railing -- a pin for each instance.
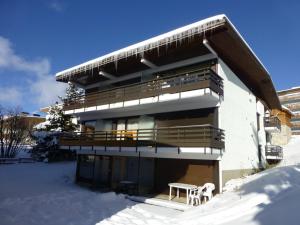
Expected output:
(272, 122)
(274, 152)
(183, 136)
(293, 107)
(200, 79)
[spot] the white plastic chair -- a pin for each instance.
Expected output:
(195, 196)
(208, 191)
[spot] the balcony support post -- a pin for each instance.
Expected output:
(137, 141)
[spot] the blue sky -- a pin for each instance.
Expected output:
(41, 37)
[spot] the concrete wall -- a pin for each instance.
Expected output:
(238, 117)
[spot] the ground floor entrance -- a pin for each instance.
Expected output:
(150, 175)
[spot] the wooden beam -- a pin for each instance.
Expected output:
(107, 75)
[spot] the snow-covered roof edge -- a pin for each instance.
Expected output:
(292, 88)
(152, 41)
(202, 24)
(287, 109)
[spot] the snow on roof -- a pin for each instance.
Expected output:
(42, 125)
(151, 43)
(287, 109)
(163, 39)
(292, 88)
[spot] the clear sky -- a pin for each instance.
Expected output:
(41, 37)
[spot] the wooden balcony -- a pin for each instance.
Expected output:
(295, 128)
(274, 152)
(294, 107)
(179, 83)
(272, 124)
(202, 136)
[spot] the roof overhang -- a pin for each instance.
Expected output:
(181, 44)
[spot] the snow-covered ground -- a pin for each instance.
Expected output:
(39, 193)
(45, 194)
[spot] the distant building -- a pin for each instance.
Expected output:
(290, 98)
(283, 137)
(27, 120)
(33, 119)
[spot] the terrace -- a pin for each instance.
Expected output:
(272, 124)
(203, 83)
(183, 139)
(274, 152)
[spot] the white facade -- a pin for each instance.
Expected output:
(238, 117)
(238, 112)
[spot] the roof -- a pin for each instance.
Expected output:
(287, 110)
(147, 44)
(289, 91)
(185, 42)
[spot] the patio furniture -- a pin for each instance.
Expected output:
(196, 195)
(208, 189)
(187, 187)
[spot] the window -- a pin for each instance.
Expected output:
(258, 122)
(89, 126)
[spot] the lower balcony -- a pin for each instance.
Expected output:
(272, 124)
(274, 152)
(203, 139)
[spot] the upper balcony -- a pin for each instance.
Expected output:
(198, 89)
(294, 107)
(272, 124)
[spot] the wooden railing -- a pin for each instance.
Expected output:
(199, 79)
(272, 122)
(294, 106)
(274, 151)
(183, 136)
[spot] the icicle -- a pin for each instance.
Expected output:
(142, 53)
(116, 62)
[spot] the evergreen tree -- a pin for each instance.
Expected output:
(58, 121)
(73, 94)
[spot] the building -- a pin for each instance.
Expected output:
(290, 98)
(20, 124)
(31, 119)
(283, 137)
(186, 106)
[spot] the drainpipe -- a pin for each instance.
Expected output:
(220, 177)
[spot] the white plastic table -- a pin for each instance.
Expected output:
(187, 187)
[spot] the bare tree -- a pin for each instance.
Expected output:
(14, 131)
(2, 131)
